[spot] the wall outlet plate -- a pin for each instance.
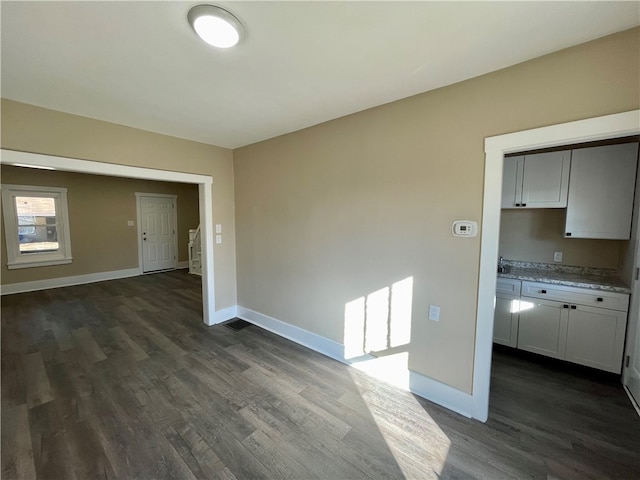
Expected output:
(557, 257)
(434, 313)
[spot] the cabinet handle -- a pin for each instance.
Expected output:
(567, 234)
(543, 291)
(565, 306)
(573, 307)
(599, 299)
(518, 204)
(524, 204)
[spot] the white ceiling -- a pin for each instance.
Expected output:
(302, 63)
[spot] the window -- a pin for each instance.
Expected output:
(36, 225)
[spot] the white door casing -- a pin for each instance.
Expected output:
(157, 231)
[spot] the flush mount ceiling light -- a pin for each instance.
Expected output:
(215, 25)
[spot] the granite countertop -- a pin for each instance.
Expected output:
(584, 277)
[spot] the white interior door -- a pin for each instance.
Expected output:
(157, 222)
(631, 360)
(631, 376)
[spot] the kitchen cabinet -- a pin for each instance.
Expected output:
(595, 337)
(543, 327)
(601, 192)
(580, 325)
(536, 181)
(505, 321)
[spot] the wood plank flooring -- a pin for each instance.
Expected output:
(121, 379)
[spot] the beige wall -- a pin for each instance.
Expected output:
(99, 208)
(336, 212)
(33, 129)
(535, 234)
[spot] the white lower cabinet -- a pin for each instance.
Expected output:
(595, 337)
(543, 327)
(505, 321)
(567, 323)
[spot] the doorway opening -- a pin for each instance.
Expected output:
(205, 202)
(594, 129)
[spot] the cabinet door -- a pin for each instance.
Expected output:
(512, 181)
(601, 192)
(505, 321)
(595, 337)
(542, 327)
(545, 180)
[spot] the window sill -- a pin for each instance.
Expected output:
(38, 263)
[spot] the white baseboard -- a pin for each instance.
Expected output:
(225, 314)
(66, 281)
(311, 340)
(441, 393)
(421, 385)
(182, 265)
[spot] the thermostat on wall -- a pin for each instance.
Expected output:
(465, 228)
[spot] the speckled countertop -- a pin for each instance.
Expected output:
(584, 277)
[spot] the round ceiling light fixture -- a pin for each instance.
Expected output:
(215, 25)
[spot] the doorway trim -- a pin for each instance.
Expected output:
(173, 198)
(592, 129)
(205, 188)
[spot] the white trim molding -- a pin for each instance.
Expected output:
(298, 335)
(592, 129)
(441, 393)
(15, 257)
(204, 182)
(36, 285)
(205, 194)
(225, 314)
(421, 385)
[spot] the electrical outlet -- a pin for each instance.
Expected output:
(557, 257)
(434, 313)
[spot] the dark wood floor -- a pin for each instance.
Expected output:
(121, 379)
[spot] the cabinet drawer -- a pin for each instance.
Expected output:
(581, 296)
(508, 286)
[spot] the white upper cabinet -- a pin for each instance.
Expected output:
(512, 181)
(536, 181)
(601, 190)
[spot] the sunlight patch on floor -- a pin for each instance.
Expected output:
(399, 418)
(392, 369)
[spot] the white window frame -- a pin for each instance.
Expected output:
(15, 259)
